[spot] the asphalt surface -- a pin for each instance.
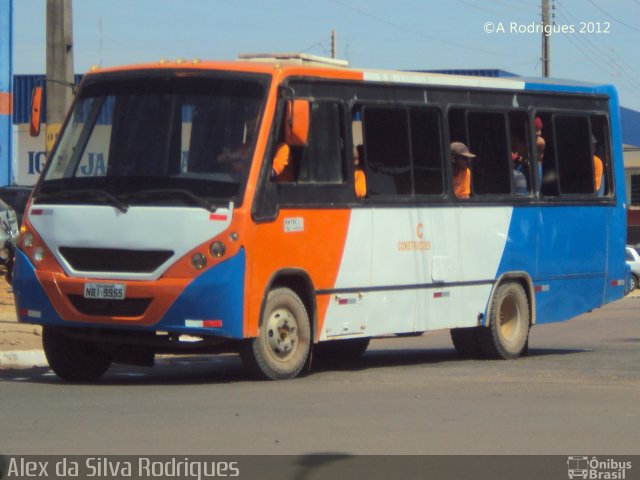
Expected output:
(576, 393)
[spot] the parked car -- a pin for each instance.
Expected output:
(16, 196)
(633, 260)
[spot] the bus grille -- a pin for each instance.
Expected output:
(114, 259)
(129, 307)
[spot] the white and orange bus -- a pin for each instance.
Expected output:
(161, 223)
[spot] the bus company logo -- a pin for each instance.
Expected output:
(595, 468)
(418, 245)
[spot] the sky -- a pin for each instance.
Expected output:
(596, 41)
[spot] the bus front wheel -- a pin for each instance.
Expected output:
(283, 345)
(508, 331)
(74, 360)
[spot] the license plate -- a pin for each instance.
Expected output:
(104, 291)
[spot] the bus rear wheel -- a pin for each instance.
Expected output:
(74, 360)
(283, 345)
(508, 331)
(465, 341)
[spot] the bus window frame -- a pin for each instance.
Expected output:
(498, 198)
(413, 198)
(610, 196)
(272, 196)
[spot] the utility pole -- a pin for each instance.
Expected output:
(59, 66)
(546, 39)
(334, 44)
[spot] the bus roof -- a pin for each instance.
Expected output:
(290, 64)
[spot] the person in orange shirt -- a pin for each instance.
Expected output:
(360, 180)
(281, 168)
(460, 160)
(597, 170)
(597, 173)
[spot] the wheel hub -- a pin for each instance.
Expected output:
(282, 334)
(509, 319)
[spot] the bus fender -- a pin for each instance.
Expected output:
(300, 282)
(527, 283)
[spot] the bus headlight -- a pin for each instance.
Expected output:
(198, 261)
(27, 240)
(38, 254)
(217, 249)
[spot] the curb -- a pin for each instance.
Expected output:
(23, 359)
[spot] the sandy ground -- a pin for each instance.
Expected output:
(15, 336)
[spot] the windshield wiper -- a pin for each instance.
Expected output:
(173, 192)
(106, 197)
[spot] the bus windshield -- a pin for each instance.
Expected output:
(175, 139)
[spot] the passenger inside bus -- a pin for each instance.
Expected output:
(239, 159)
(460, 160)
(360, 180)
(281, 170)
(597, 169)
(283, 158)
(520, 158)
(540, 145)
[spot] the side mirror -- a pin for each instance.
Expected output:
(36, 110)
(297, 122)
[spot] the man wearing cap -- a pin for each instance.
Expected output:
(460, 158)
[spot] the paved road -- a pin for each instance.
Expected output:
(577, 393)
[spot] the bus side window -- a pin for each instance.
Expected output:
(386, 141)
(575, 160)
(321, 160)
(490, 169)
(521, 153)
(403, 150)
(426, 147)
(487, 139)
(600, 145)
(546, 160)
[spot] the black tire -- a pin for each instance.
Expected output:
(74, 360)
(341, 350)
(507, 335)
(634, 283)
(465, 341)
(282, 348)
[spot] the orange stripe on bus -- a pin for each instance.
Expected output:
(6, 103)
(314, 247)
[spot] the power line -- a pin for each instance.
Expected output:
(602, 64)
(614, 18)
(478, 7)
(422, 34)
(596, 49)
(511, 5)
(587, 39)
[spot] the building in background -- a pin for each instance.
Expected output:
(29, 153)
